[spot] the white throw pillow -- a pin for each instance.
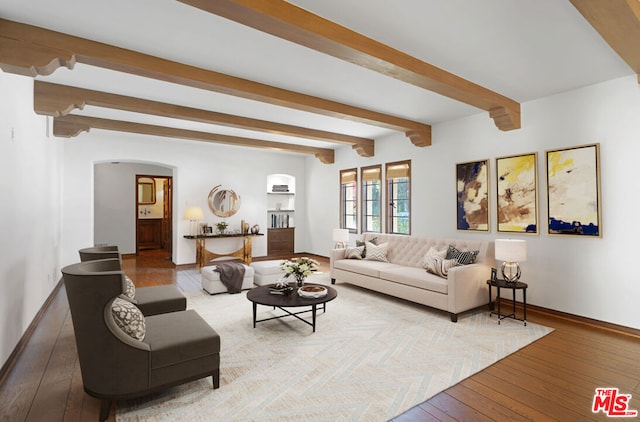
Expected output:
(441, 266)
(430, 257)
(354, 253)
(376, 252)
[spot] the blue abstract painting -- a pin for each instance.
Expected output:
(472, 184)
(573, 189)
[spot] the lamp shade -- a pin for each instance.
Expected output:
(511, 250)
(193, 213)
(340, 235)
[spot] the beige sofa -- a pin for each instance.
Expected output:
(404, 276)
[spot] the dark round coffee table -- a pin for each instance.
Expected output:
(262, 296)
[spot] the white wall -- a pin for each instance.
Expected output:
(583, 276)
(30, 201)
(115, 202)
(591, 277)
(198, 167)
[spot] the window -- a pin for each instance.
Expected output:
(371, 198)
(398, 176)
(349, 199)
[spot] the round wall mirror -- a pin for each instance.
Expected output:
(223, 202)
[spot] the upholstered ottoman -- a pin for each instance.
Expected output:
(267, 272)
(211, 280)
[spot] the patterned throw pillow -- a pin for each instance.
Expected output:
(354, 253)
(376, 252)
(464, 258)
(373, 240)
(129, 288)
(440, 266)
(429, 258)
(129, 318)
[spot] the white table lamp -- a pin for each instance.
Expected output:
(511, 252)
(341, 237)
(193, 214)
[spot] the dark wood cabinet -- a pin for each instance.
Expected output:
(150, 233)
(280, 242)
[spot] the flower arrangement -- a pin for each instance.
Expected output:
(300, 268)
(222, 226)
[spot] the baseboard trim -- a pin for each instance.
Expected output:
(17, 351)
(594, 323)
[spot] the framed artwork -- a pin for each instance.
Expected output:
(517, 193)
(472, 185)
(573, 190)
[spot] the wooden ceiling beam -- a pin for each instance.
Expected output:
(58, 100)
(72, 125)
(297, 25)
(618, 22)
(30, 50)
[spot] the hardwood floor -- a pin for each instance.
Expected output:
(552, 379)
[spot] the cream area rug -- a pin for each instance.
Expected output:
(371, 358)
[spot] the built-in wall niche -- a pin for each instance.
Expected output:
(281, 200)
(281, 206)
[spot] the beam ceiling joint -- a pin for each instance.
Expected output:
(30, 59)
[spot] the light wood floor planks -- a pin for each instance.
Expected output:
(551, 379)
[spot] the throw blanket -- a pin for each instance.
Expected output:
(231, 275)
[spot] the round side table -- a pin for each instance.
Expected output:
(503, 284)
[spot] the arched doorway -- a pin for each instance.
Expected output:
(116, 208)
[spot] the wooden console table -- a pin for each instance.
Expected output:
(203, 255)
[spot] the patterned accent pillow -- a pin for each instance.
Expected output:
(129, 288)
(129, 318)
(373, 240)
(429, 258)
(354, 253)
(376, 252)
(463, 257)
(441, 266)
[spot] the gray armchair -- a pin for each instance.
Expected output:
(151, 300)
(178, 347)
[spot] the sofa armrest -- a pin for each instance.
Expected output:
(468, 287)
(335, 255)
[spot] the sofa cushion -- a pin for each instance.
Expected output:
(410, 250)
(180, 337)
(129, 318)
(376, 252)
(155, 300)
(416, 277)
(369, 268)
(354, 253)
(463, 257)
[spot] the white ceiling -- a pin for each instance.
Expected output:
(522, 49)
